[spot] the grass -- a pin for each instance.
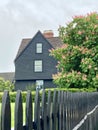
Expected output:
(12, 113)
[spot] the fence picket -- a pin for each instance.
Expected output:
(43, 112)
(18, 111)
(29, 111)
(68, 111)
(49, 111)
(54, 111)
(6, 112)
(64, 114)
(37, 112)
(57, 109)
(62, 110)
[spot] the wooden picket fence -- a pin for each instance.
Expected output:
(56, 111)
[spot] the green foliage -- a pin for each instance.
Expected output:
(78, 89)
(5, 85)
(31, 87)
(24, 93)
(78, 56)
(13, 96)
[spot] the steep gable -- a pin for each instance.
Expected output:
(54, 41)
(28, 59)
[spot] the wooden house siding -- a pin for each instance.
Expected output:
(24, 64)
(27, 84)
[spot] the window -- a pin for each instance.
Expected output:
(38, 66)
(39, 48)
(39, 84)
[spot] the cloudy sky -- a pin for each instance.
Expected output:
(23, 18)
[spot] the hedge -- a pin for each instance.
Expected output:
(13, 96)
(24, 93)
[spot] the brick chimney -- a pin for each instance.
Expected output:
(48, 33)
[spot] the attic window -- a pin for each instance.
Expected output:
(39, 48)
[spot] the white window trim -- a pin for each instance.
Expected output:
(38, 47)
(38, 66)
(39, 84)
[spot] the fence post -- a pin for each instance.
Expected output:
(29, 111)
(6, 112)
(18, 111)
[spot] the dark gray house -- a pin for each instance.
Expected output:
(33, 64)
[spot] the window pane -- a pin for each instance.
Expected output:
(38, 69)
(39, 48)
(39, 84)
(38, 62)
(38, 66)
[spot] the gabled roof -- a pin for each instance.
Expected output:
(8, 76)
(54, 41)
(23, 45)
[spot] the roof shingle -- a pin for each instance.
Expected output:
(8, 76)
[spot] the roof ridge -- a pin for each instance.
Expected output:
(46, 38)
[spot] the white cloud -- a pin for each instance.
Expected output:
(23, 18)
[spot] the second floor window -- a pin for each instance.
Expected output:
(39, 48)
(38, 66)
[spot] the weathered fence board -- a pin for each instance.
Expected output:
(6, 112)
(37, 117)
(29, 111)
(49, 111)
(54, 111)
(18, 112)
(43, 112)
(60, 111)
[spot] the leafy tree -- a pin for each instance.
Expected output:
(5, 85)
(78, 56)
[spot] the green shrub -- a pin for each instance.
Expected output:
(31, 87)
(5, 85)
(13, 94)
